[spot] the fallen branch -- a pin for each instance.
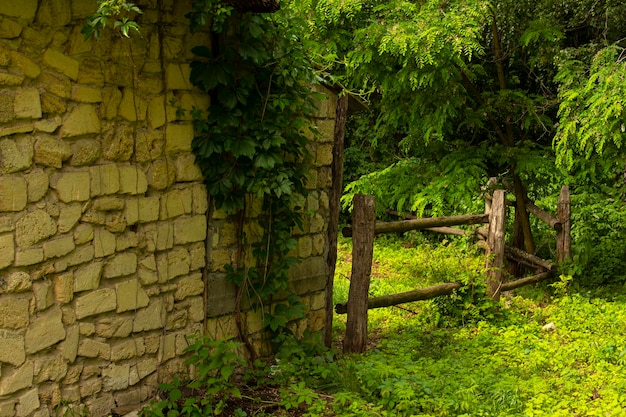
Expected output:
(425, 223)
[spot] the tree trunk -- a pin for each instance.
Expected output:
(563, 238)
(334, 203)
(495, 244)
(363, 220)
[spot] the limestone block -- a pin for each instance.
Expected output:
(68, 217)
(79, 256)
(175, 203)
(148, 209)
(50, 151)
(108, 204)
(94, 217)
(149, 145)
(54, 13)
(71, 186)
(176, 320)
(115, 222)
(188, 286)
(37, 183)
(127, 240)
(124, 349)
(24, 65)
(28, 256)
(147, 271)
(132, 107)
(189, 229)
(177, 77)
(200, 199)
(220, 328)
(100, 406)
(178, 263)
(16, 380)
(318, 301)
(33, 228)
(10, 79)
(319, 244)
(88, 277)
(91, 348)
(178, 137)
(81, 10)
(7, 223)
(161, 174)
(58, 247)
(96, 302)
(118, 144)
(151, 317)
(115, 377)
(146, 367)
(105, 179)
(89, 387)
(86, 94)
(27, 104)
(132, 180)
(318, 223)
(10, 29)
(111, 99)
(130, 296)
(45, 330)
(44, 294)
(115, 326)
(156, 112)
(197, 253)
(86, 328)
(48, 125)
(82, 120)
(14, 312)
(69, 347)
(168, 347)
(64, 287)
(16, 282)
(7, 408)
(56, 85)
(85, 152)
(83, 233)
(13, 351)
(64, 64)
(13, 193)
(187, 169)
(16, 155)
(304, 247)
(49, 368)
(121, 265)
(131, 211)
(7, 251)
(6, 105)
(52, 104)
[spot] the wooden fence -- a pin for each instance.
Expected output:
(492, 237)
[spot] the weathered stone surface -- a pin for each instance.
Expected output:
(89, 387)
(13, 193)
(114, 326)
(121, 265)
(9, 29)
(124, 349)
(109, 203)
(27, 104)
(52, 104)
(91, 348)
(12, 351)
(6, 105)
(85, 152)
(197, 253)
(126, 240)
(148, 209)
(49, 368)
(189, 229)
(132, 180)
(7, 251)
(71, 186)
(88, 277)
(58, 247)
(149, 145)
(45, 330)
(82, 120)
(178, 138)
(49, 125)
(24, 65)
(175, 203)
(187, 169)
(68, 217)
(64, 287)
(50, 151)
(161, 174)
(104, 243)
(14, 312)
(62, 63)
(33, 228)
(132, 107)
(151, 317)
(147, 271)
(86, 94)
(156, 112)
(130, 296)
(83, 233)
(79, 256)
(177, 77)
(200, 199)
(188, 286)
(27, 403)
(16, 155)
(38, 182)
(96, 302)
(44, 294)
(115, 377)
(55, 85)
(16, 380)
(16, 282)
(10, 79)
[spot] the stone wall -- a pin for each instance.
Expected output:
(104, 228)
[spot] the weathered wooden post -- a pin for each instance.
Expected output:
(495, 244)
(363, 222)
(563, 237)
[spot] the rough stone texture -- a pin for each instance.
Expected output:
(103, 211)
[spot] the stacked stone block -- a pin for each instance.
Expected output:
(102, 209)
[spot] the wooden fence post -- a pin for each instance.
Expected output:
(363, 222)
(563, 237)
(495, 244)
